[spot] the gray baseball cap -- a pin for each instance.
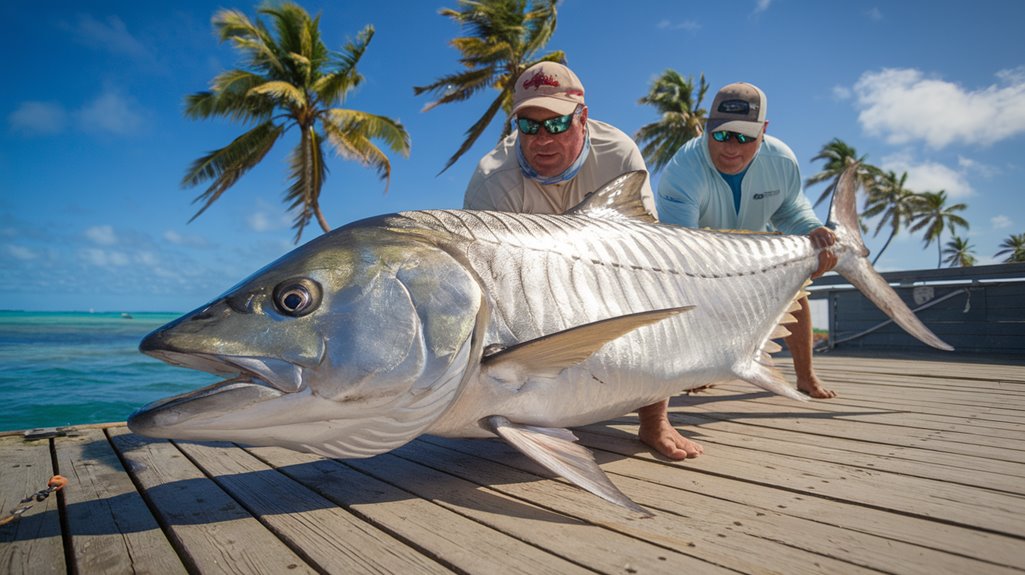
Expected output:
(738, 107)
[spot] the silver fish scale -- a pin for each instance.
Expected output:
(544, 274)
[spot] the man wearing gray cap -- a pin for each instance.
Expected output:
(556, 155)
(735, 176)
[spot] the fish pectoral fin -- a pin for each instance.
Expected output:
(556, 450)
(548, 355)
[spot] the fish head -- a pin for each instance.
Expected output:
(349, 346)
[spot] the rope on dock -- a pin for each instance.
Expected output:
(56, 483)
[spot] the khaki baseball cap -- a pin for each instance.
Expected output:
(738, 107)
(548, 85)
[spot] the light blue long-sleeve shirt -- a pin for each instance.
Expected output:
(692, 193)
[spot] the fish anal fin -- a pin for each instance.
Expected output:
(556, 450)
(548, 355)
(765, 375)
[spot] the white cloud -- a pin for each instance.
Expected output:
(903, 105)
(262, 219)
(105, 258)
(842, 93)
(985, 170)
(38, 118)
(1001, 222)
(111, 35)
(112, 113)
(762, 5)
(102, 235)
(183, 240)
(20, 252)
(688, 25)
(930, 176)
(874, 13)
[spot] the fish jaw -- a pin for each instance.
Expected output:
(381, 352)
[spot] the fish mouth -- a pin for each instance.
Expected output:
(252, 381)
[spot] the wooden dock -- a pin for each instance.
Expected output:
(918, 467)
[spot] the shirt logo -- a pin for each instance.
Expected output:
(764, 195)
(540, 79)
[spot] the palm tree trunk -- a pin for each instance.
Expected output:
(320, 218)
(878, 255)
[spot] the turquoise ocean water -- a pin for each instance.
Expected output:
(73, 368)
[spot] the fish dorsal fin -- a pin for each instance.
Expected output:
(556, 450)
(548, 355)
(620, 198)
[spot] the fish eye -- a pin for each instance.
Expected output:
(297, 297)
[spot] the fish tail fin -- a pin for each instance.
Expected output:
(853, 264)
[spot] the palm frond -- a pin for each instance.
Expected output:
(284, 93)
(226, 165)
(251, 39)
(477, 129)
(307, 172)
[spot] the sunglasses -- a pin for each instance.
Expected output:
(724, 136)
(556, 125)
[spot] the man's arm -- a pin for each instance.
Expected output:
(483, 193)
(674, 205)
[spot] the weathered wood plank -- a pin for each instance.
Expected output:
(936, 465)
(527, 515)
(938, 500)
(456, 540)
(723, 544)
(31, 544)
(330, 537)
(824, 423)
(842, 408)
(111, 529)
(716, 477)
(211, 531)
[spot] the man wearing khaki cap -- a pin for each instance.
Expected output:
(556, 155)
(735, 176)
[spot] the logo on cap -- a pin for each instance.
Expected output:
(540, 79)
(742, 107)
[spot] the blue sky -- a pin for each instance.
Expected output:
(94, 144)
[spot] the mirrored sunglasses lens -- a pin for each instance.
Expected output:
(720, 136)
(527, 126)
(558, 125)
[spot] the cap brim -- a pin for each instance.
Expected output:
(557, 105)
(753, 129)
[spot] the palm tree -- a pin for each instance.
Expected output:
(289, 79)
(1014, 248)
(895, 204)
(959, 253)
(505, 38)
(681, 117)
(839, 156)
(934, 216)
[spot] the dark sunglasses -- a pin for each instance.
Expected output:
(556, 125)
(724, 136)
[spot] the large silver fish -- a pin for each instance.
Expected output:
(471, 324)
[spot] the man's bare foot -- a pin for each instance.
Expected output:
(813, 388)
(665, 439)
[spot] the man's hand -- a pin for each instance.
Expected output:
(823, 238)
